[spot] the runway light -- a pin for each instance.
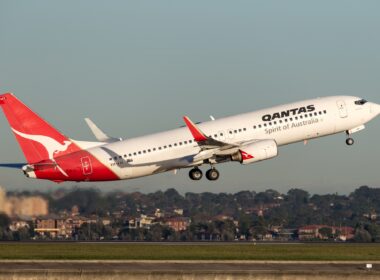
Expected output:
(368, 266)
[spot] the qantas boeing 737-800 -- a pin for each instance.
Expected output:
(245, 138)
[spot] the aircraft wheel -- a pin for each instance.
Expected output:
(195, 174)
(212, 174)
(350, 141)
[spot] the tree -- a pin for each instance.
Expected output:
(5, 221)
(155, 233)
(374, 230)
(361, 235)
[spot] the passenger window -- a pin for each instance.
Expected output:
(244, 129)
(134, 153)
(139, 152)
(149, 150)
(325, 111)
(130, 155)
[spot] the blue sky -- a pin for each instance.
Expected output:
(137, 67)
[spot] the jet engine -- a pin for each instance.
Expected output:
(258, 151)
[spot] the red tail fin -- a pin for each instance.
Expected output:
(38, 139)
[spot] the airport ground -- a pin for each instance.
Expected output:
(190, 251)
(70, 260)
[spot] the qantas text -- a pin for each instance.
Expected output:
(292, 112)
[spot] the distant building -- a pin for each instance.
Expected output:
(146, 221)
(75, 211)
(17, 225)
(158, 213)
(2, 199)
(51, 226)
(32, 206)
(313, 232)
(178, 223)
(178, 211)
(55, 226)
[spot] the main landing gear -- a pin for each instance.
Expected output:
(211, 174)
(195, 174)
(349, 140)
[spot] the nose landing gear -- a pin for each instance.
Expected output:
(349, 140)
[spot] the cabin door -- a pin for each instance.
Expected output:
(342, 109)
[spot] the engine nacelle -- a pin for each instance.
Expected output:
(255, 152)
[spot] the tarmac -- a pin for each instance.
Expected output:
(215, 270)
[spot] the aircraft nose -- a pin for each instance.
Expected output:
(375, 108)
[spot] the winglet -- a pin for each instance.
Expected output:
(198, 135)
(99, 134)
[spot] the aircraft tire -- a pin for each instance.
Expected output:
(212, 174)
(195, 174)
(350, 141)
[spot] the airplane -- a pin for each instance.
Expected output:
(245, 138)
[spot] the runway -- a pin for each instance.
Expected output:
(186, 270)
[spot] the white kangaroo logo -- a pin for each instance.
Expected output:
(51, 145)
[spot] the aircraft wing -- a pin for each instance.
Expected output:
(211, 148)
(205, 142)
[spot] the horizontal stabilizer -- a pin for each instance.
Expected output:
(12, 165)
(99, 134)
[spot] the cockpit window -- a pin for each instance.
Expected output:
(361, 102)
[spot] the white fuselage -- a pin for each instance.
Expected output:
(286, 124)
